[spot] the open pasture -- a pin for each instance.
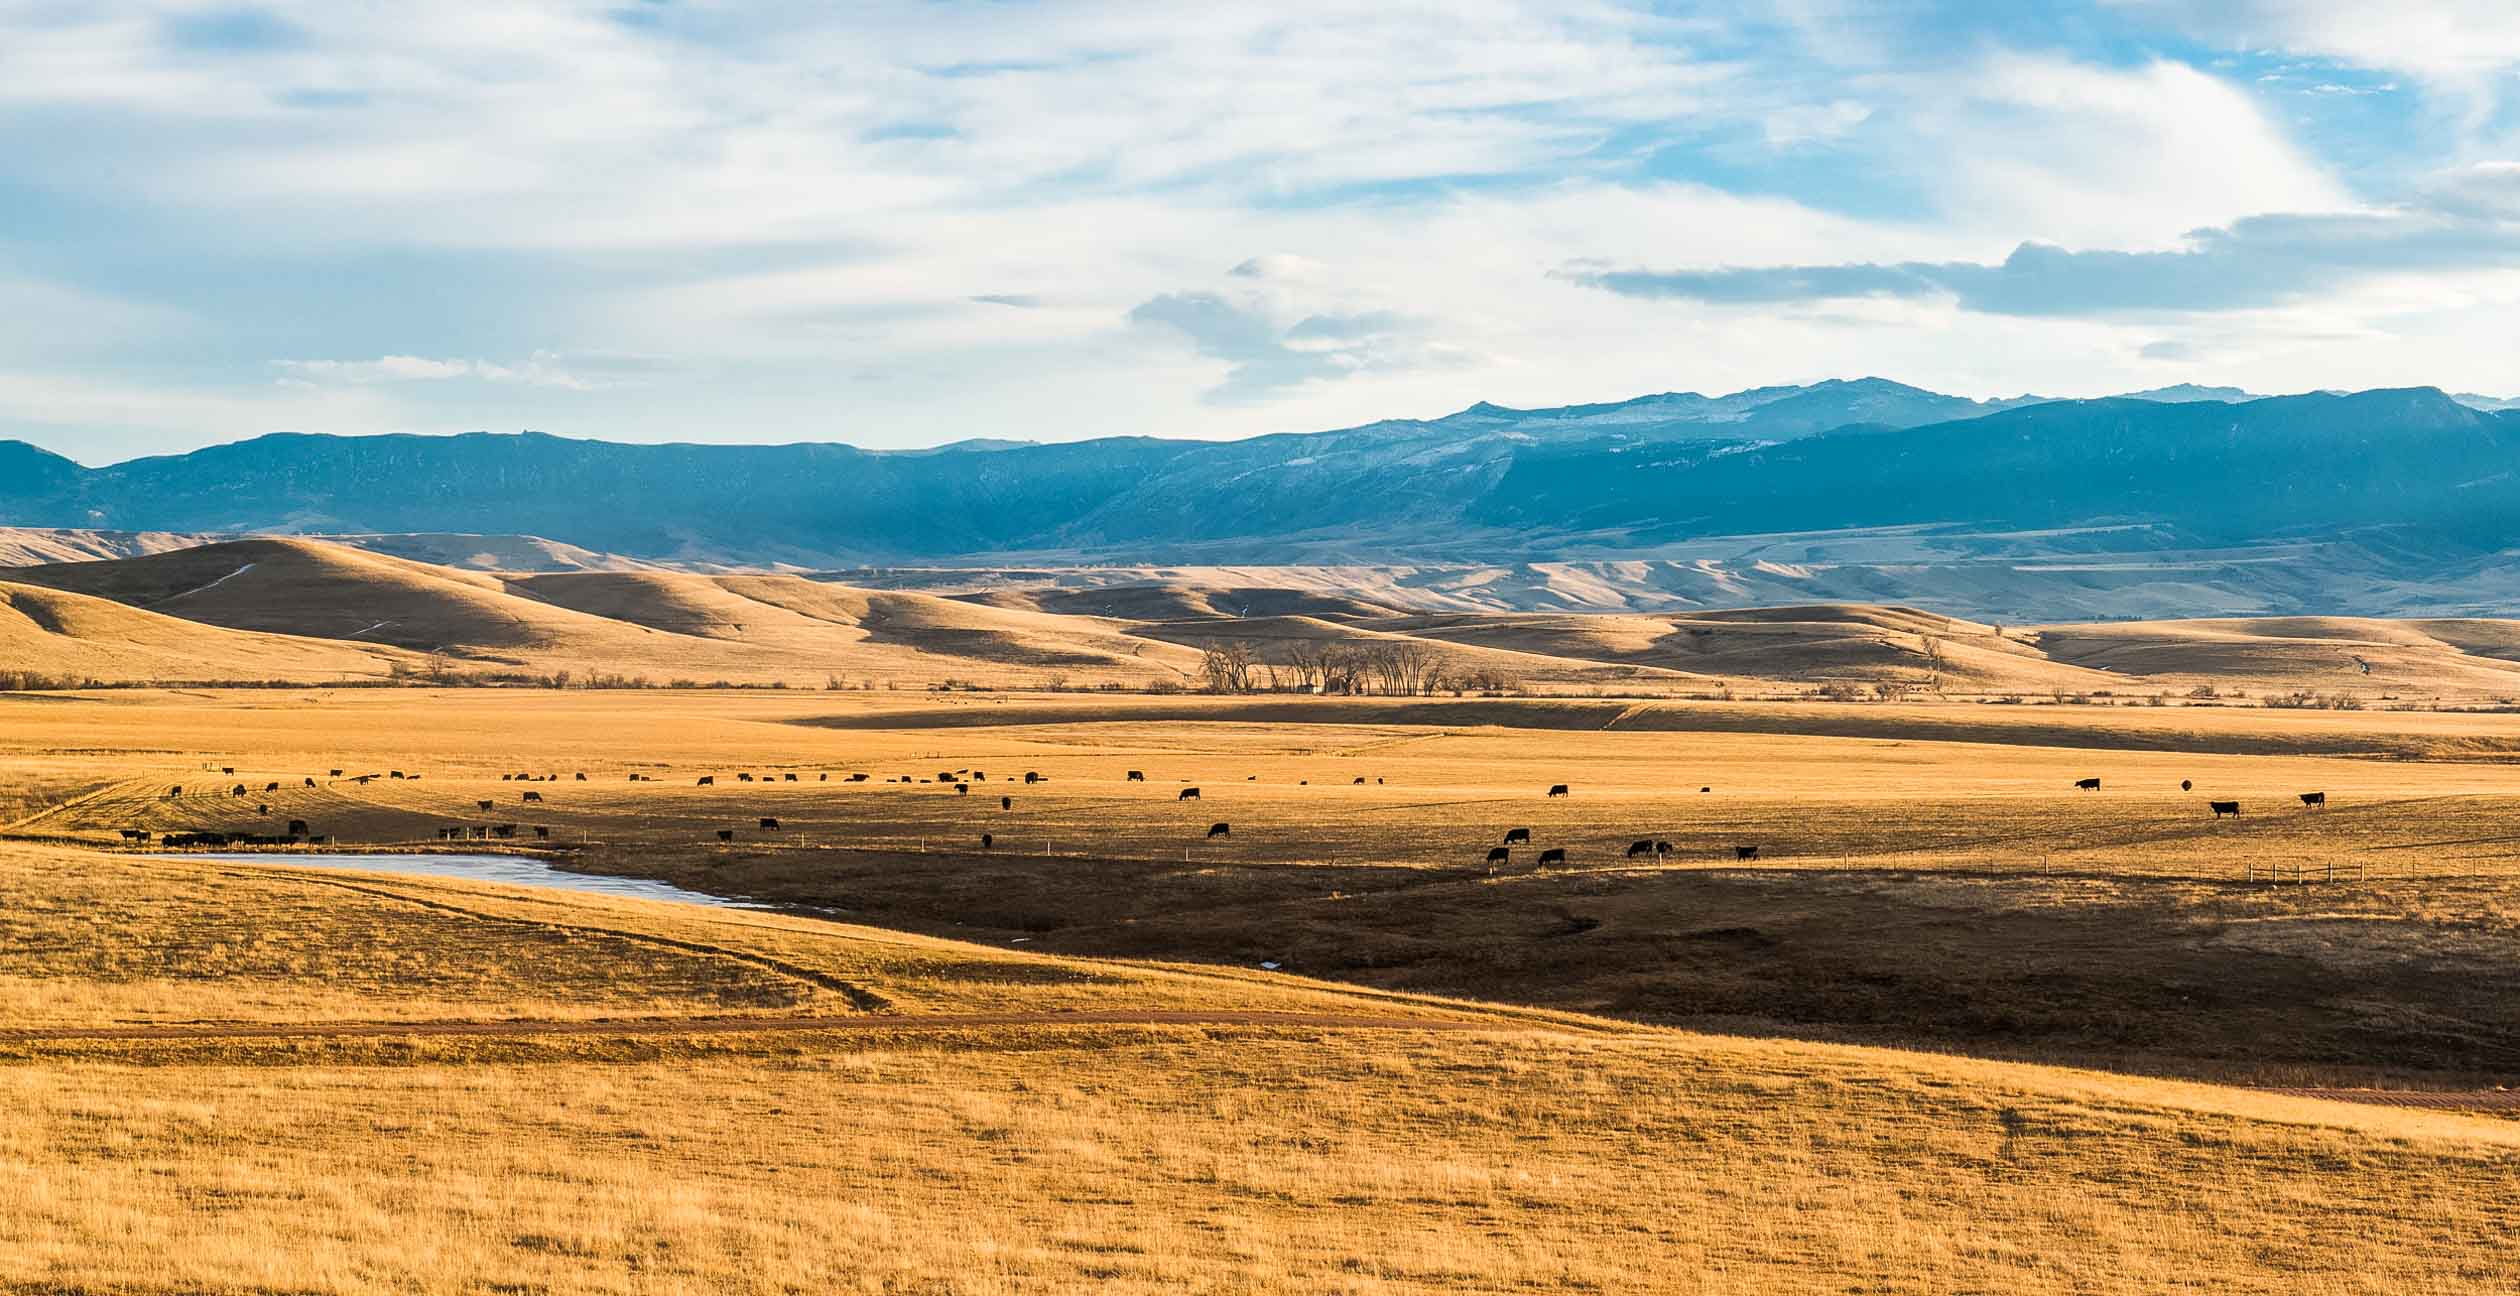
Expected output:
(557, 1103)
(1926, 874)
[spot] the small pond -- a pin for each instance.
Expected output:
(515, 870)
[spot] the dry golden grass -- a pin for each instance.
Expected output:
(1529, 1153)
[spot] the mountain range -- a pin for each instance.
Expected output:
(2180, 501)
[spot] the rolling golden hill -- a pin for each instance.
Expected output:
(368, 607)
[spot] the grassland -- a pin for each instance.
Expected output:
(1420, 1146)
(1928, 875)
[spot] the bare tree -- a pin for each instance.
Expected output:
(1307, 659)
(1226, 667)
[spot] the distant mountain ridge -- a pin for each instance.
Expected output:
(2418, 482)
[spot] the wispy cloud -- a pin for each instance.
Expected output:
(542, 369)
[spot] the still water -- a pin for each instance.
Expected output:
(515, 870)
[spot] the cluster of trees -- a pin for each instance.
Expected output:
(1399, 667)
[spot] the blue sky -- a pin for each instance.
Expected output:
(897, 225)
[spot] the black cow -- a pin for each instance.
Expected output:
(1662, 848)
(726, 834)
(945, 776)
(1188, 794)
(857, 778)
(1745, 852)
(822, 778)
(1553, 855)
(743, 778)
(581, 776)
(271, 787)
(310, 782)
(1558, 789)
(174, 792)
(238, 790)
(297, 827)
(485, 804)
(708, 780)
(1031, 776)
(394, 774)
(1360, 781)
(263, 809)
(962, 789)
(335, 773)
(768, 822)
(2087, 785)
(533, 796)
(791, 778)
(1641, 846)
(227, 769)
(2221, 808)
(988, 841)
(504, 830)
(1216, 830)
(1513, 835)
(507, 778)
(1006, 803)
(1498, 855)
(1137, 776)
(2186, 786)
(542, 832)
(2314, 800)
(1706, 789)
(135, 834)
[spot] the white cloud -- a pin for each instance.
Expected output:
(542, 369)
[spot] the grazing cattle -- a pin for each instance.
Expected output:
(504, 830)
(533, 796)
(1513, 835)
(2221, 808)
(174, 792)
(2314, 800)
(2087, 785)
(1706, 789)
(1216, 830)
(768, 822)
(542, 832)
(271, 787)
(310, 782)
(1137, 776)
(227, 769)
(945, 776)
(1745, 852)
(962, 789)
(1031, 776)
(857, 778)
(1553, 855)
(726, 834)
(1188, 794)
(1641, 846)
(1498, 855)
(2186, 786)
(581, 776)
(987, 840)
(1662, 848)
(743, 778)
(485, 804)
(334, 773)
(394, 774)
(791, 778)
(364, 779)
(263, 809)
(238, 790)
(979, 776)
(135, 834)
(708, 780)
(822, 778)
(1558, 789)
(1360, 781)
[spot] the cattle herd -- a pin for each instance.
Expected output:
(1499, 856)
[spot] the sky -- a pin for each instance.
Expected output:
(904, 224)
